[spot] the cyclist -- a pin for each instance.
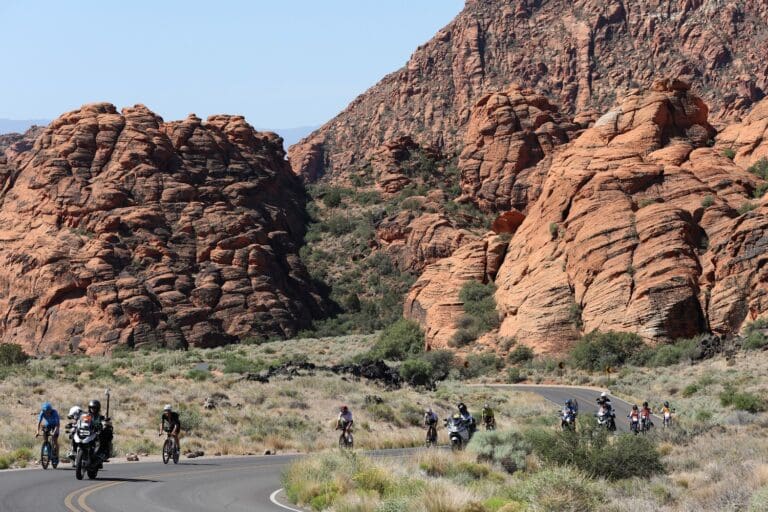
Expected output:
(344, 421)
(49, 419)
(170, 424)
(430, 422)
(488, 418)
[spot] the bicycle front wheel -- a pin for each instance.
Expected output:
(167, 450)
(45, 454)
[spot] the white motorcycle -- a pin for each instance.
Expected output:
(86, 442)
(458, 433)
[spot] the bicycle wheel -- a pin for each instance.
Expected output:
(175, 453)
(45, 454)
(167, 447)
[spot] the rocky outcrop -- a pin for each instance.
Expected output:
(579, 53)
(639, 227)
(433, 301)
(508, 144)
(749, 138)
(118, 228)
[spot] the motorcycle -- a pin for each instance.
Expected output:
(607, 419)
(86, 442)
(458, 433)
(568, 420)
(667, 419)
(634, 425)
(645, 424)
(490, 424)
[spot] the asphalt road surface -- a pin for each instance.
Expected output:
(198, 485)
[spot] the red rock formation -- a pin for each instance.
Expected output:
(622, 227)
(509, 139)
(433, 301)
(580, 53)
(749, 138)
(121, 229)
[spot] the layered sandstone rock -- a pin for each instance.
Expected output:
(118, 228)
(637, 227)
(508, 144)
(433, 301)
(749, 138)
(580, 53)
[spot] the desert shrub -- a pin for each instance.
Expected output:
(599, 350)
(189, 418)
(553, 230)
(234, 363)
(441, 361)
(398, 341)
(760, 190)
(416, 372)
(507, 448)
(746, 207)
(332, 197)
(647, 202)
(594, 451)
(462, 338)
(480, 314)
(760, 168)
(12, 354)
(480, 364)
(707, 201)
(557, 488)
(667, 354)
(515, 375)
(521, 354)
(198, 375)
(690, 390)
(742, 400)
(574, 315)
(759, 500)
(382, 412)
(729, 153)
(754, 337)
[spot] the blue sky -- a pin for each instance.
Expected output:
(281, 63)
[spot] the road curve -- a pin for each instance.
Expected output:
(199, 485)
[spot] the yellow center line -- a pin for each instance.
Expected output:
(85, 492)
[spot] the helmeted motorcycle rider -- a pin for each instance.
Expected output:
(666, 414)
(104, 426)
(49, 418)
(74, 413)
(569, 409)
(467, 418)
(634, 418)
(645, 414)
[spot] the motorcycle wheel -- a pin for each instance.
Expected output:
(455, 445)
(79, 464)
(45, 454)
(93, 473)
(167, 447)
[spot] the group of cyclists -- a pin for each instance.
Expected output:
(49, 421)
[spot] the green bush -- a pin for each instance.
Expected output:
(746, 207)
(416, 372)
(521, 354)
(596, 452)
(515, 375)
(760, 168)
(480, 364)
(667, 354)
(729, 153)
(441, 361)
(707, 201)
(742, 400)
(332, 198)
(400, 340)
(198, 375)
(554, 230)
(12, 354)
(507, 448)
(555, 489)
(755, 339)
(480, 315)
(600, 350)
(690, 390)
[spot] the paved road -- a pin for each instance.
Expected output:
(197, 485)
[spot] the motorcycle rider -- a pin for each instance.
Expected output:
(487, 417)
(170, 423)
(49, 418)
(569, 410)
(634, 419)
(467, 418)
(74, 413)
(344, 421)
(104, 426)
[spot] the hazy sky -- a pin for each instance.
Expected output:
(281, 63)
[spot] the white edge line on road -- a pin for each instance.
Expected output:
(273, 499)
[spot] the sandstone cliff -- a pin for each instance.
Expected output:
(579, 53)
(118, 228)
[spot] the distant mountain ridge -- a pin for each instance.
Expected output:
(20, 125)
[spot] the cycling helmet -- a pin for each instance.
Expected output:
(604, 394)
(343, 408)
(462, 407)
(74, 412)
(634, 407)
(645, 404)
(568, 402)
(666, 404)
(167, 408)
(429, 410)
(94, 407)
(47, 407)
